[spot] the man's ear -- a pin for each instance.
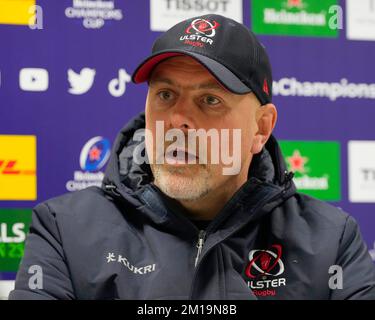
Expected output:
(266, 119)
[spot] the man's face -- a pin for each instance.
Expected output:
(185, 96)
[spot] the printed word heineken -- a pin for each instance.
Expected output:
(297, 17)
(284, 17)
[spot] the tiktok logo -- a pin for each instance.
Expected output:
(117, 86)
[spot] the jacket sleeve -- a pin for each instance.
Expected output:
(358, 277)
(43, 273)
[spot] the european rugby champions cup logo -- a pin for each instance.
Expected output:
(94, 155)
(200, 32)
(264, 270)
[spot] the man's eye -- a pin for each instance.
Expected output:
(165, 95)
(211, 100)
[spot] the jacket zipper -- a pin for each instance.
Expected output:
(200, 244)
(202, 233)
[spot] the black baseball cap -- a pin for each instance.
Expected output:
(229, 50)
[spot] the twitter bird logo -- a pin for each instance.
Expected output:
(81, 82)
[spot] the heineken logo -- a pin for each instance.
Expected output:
(316, 165)
(297, 17)
(296, 163)
(300, 17)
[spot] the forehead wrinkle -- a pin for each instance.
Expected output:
(205, 85)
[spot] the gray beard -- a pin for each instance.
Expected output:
(177, 185)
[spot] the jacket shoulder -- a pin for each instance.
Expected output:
(325, 213)
(90, 203)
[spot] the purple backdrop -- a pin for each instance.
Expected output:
(63, 122)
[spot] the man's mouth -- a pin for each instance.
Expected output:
(180, 156)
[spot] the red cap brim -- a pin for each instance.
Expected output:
(143, 72)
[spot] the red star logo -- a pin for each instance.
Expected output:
(95, 153)
(295, 4)
(297, 162)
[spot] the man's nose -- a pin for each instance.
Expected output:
(182, 115)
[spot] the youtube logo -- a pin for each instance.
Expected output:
(33, 79)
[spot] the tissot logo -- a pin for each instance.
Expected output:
(200, 32)
(263, 270)
(188, 5)
(368, 174)
(360, 17)
(361, 165)
(164, 14)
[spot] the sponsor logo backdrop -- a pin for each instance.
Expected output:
(65, 92)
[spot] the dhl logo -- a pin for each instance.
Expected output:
(18, 167)
(19, 12)
(10, 167)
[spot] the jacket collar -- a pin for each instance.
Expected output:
(127, 181)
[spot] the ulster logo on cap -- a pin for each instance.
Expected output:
(199, 32)
(203, 26)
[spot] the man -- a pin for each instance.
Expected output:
(187, 223)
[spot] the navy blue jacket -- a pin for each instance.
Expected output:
(127, 240)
